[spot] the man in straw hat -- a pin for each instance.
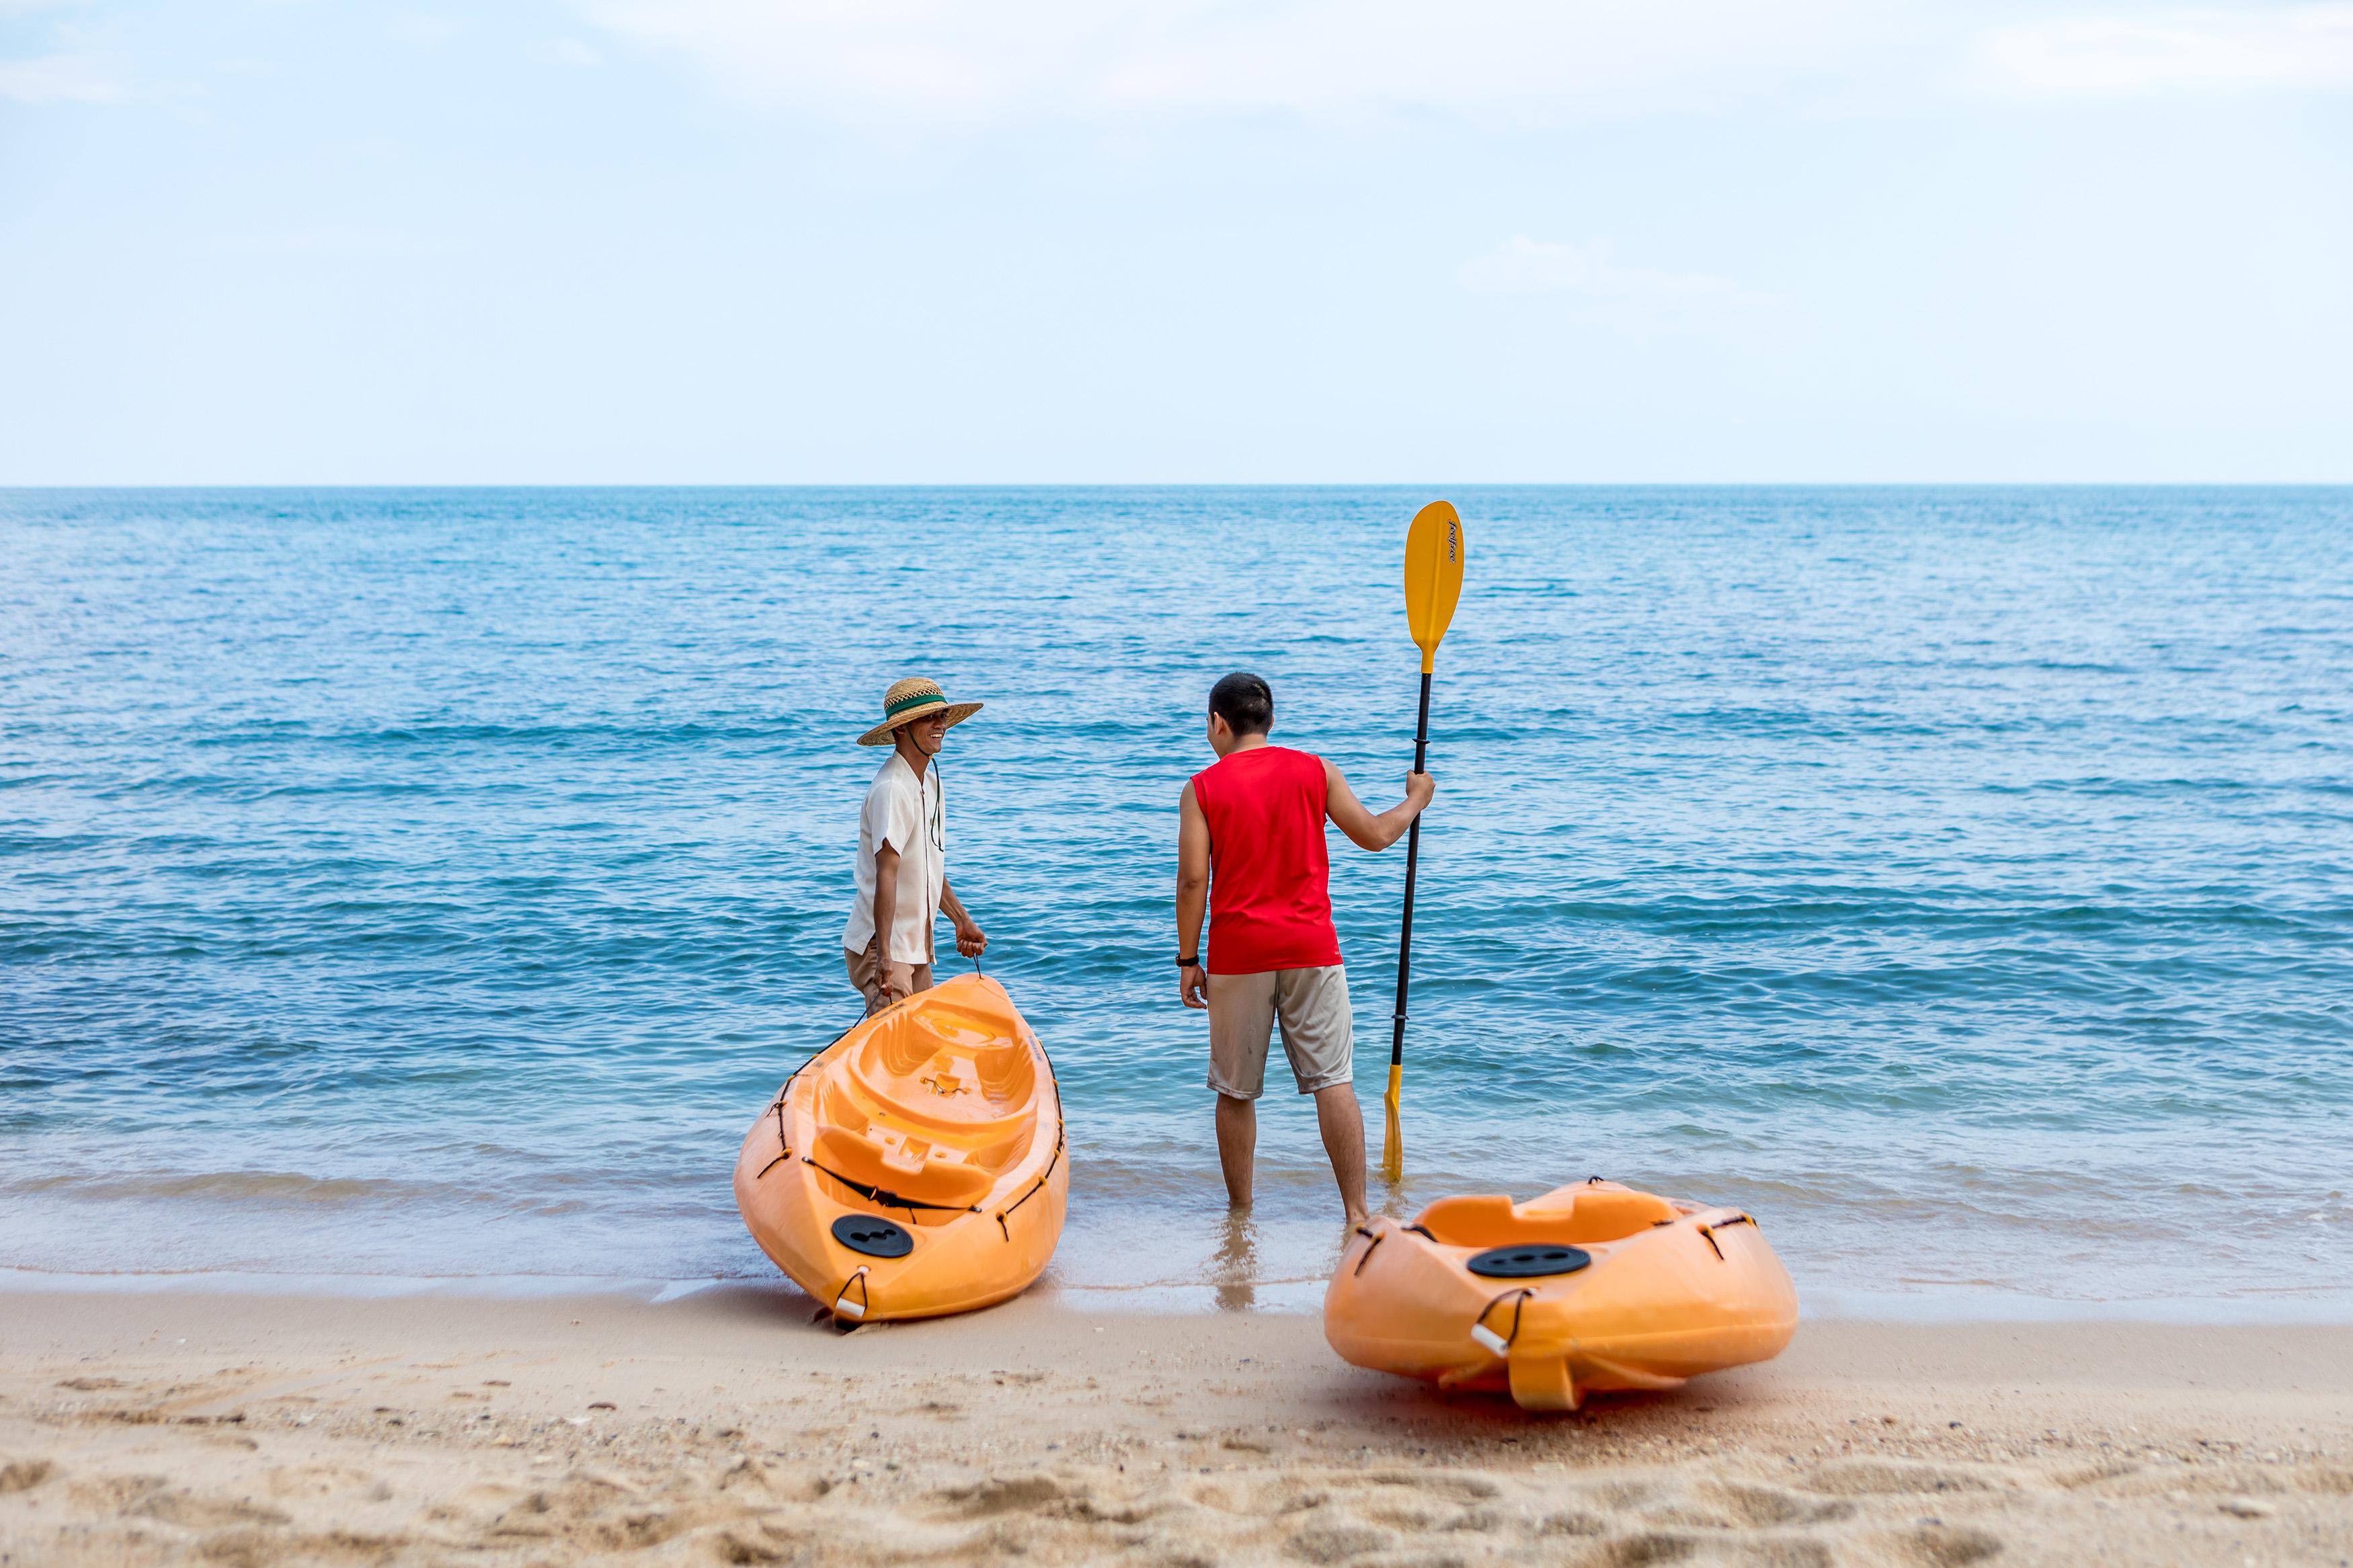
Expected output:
(1251, 858)
(903, 844)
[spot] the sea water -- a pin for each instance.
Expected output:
(404, 885)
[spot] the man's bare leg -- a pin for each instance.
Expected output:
(1343, 1126)
(1238, 1146)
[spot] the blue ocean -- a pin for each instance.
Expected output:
(411, 885)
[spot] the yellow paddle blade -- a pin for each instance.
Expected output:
(1393, 1138)
(1434, 549)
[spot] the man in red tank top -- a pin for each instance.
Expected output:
(1250, 856)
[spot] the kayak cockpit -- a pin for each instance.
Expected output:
(1573, 1216)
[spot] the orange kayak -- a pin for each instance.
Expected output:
(914, 1167)
(1590, 1286)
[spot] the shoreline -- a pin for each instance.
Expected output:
(1287, 1297)
(726, 1426)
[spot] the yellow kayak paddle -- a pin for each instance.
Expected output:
(1434, 550)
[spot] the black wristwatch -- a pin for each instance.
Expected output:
(1192, 963)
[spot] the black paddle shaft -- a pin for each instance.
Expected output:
(1412, 855)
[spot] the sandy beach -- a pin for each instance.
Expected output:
(727, 1426)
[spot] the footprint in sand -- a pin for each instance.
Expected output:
(1335, 1538)
(114, 1494)
(1737, 1505)
(24, 1474)
(767, 1541)
(2327, 1480)
(192, 1513)
(1093, 1511)
(1410, 1515)
(1879, 1478)
(1259, 1499)
(2094, 1474)
(1572, 1522)
(1797, 1554)
(1000, 1495)
(786, 1486)
(1618, 1497)
(1948, 1546)
(317, 1481)
(1642, 1550)
(1463, 1486)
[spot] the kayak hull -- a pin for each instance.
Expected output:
(916, 1166)
(1645, 1293)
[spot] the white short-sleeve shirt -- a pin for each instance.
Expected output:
(908, 814)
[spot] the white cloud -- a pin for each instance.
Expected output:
(2307, 47)
(63, 78)
(1525, 265)
(953, 58)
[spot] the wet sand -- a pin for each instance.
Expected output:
(727, 1427)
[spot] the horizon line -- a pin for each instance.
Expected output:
(16, 488)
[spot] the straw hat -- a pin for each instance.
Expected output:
(910, 699)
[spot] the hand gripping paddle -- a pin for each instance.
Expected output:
(1434, 551)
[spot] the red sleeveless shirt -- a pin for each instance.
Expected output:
(1270, 899)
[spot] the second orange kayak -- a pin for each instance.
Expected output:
(914, 1167)
(1590, 1286)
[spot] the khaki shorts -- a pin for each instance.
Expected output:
(1317, 1034)
(867, 976)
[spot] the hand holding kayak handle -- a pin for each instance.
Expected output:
(971, 941)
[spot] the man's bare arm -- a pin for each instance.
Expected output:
(1364, 829)
(1192, 895)
(888, 972)
(886, 895)
(971, 941)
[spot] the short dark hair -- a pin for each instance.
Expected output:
(1245, 702)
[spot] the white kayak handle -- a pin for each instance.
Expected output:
(1488, 1339)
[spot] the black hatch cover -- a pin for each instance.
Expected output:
(1531, 1262)
(874, 1236)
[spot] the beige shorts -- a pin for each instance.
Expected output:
(1317, 1034)
(865, 975)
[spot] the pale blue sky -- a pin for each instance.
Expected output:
(1076, 241)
